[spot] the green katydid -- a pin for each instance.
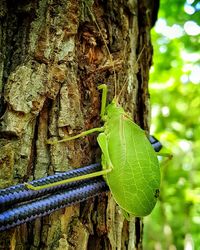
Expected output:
(129, 163)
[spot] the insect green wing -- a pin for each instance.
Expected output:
(135, 178)
(130, 165)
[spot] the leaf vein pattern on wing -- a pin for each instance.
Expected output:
(123, 143)
(140, 156)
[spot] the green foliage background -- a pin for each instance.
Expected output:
(175, 98)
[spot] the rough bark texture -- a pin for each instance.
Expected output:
(52, 59)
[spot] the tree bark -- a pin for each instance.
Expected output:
(53, 57)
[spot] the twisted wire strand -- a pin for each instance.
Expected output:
(155, 143)
(19, 193)
(32, 210)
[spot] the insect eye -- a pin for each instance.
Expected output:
(157, 193)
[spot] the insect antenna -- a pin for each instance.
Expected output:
(117, 96)
(122, 89)
(126, 80)
(108, 51)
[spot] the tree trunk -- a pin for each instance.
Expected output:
(53, 57)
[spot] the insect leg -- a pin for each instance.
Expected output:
(168, 158)
(103, 98)
(106, 163)
(84, 133)
(62, 182)
(165, 155)
(103, 143)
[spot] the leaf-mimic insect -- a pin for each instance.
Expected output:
(129, 163)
